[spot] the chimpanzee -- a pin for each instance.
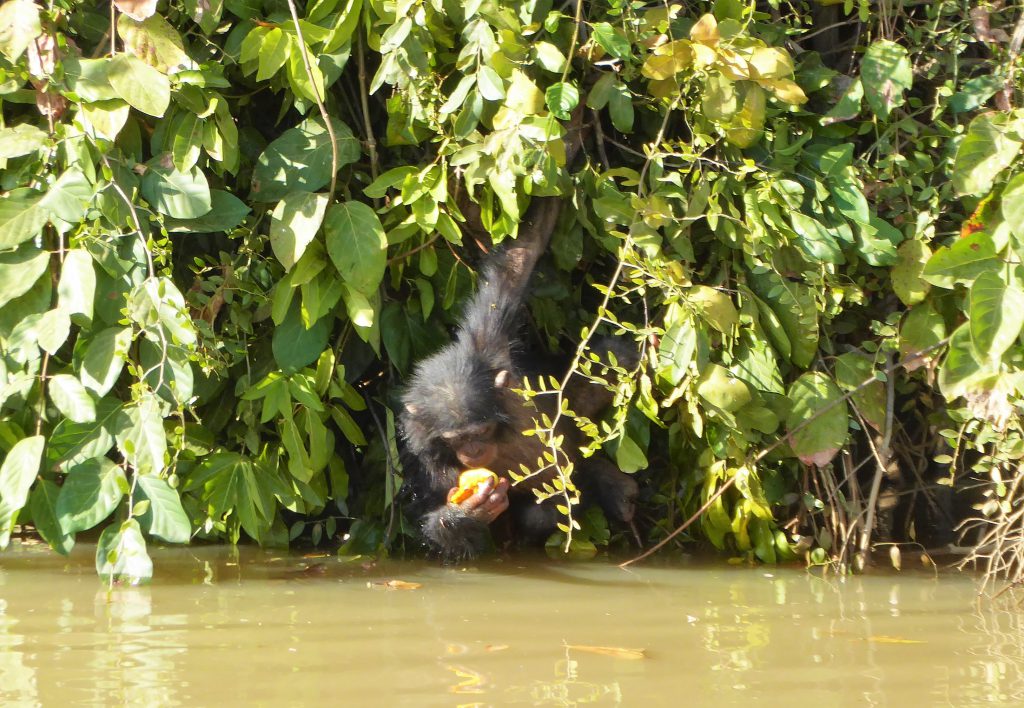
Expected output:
(461, 412)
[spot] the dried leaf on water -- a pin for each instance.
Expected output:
(398, 584)
(616, 652)
(884, 639)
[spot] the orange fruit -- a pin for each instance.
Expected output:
(470, 481)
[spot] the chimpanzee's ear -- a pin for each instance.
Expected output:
(413, 410)
(502, 379)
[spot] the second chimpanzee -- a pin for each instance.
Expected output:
(461, 412)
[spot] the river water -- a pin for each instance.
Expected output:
(224, 627)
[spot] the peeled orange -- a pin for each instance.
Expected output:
(470, 481)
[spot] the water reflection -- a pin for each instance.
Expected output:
(223, 627)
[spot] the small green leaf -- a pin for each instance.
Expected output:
(22, 216)
(561, 99)
(490, 84)
(612, 40)
(961, 372)
(19, 25)
(104, 358)
(154, 41)
(19, 470)
(907, 282)
(141, 437)
(19, 270)
(43, 505)
(274, 53)
(300, 160)
(21, 139)
(183, 195)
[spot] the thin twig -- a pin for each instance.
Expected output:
(364, 99)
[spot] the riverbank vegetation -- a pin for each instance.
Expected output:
(228, 229)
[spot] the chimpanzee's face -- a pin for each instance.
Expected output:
(474, 445)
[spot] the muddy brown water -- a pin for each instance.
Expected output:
(219, 627)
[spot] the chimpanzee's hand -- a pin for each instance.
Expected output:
(488, 501)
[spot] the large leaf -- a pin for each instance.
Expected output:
(19, 470)
(91, 492)
(852, 370)
(907, 282)
(22, 216)
(141, 437)
(69, 196)
(121, 555)
(21, 139)
(43, 505)
(19, 25)
(19, 271)
(226, 212)
(962, 262)
(141, 86)
(300, 160)
(183, 195)
(961, 371)
(996, 315)
(154, 41)
(922, 330)
(73, 443)
(885, 74)
(71, 399)
(989, 147)
(1012, 205)
(77, 288)
(165, 517)
(818, 419)
(356, 244)
(294, 223)
(104, 358)
(294, 345)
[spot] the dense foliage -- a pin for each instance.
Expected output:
(228, 229)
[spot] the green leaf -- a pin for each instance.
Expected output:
(183, 195)
(620, 106)
(1012, 205)
(141, 437)
(91, 492)
(922, 329)
(43, 505)
(852, 370)
(300, 160)
(294, 345)
(22, 216)
(21, 139)
(816, 401)
(187, 141)
(490, 84)
(628, 455)
(612, 40)
(77, 287)
(961, 372)
(19, 25)
(988, 148)
(165, 518)
(356, 244)
(226, 212)
(714, 307)
(718, 387)
(561, 99)
(121, 555)
(907, 282)
(848, 105)
(69, 196)
(274, 53)
(885, 74)
(104, 358)
(962, 262)
(19, 270)
(141, 86)
(19, 470)
(71, 398)
(816, 240)
(294, 223)
(996, 315)
(168, 372)
(975, 92)
(73, 443)
(154, 41)
(549, 57)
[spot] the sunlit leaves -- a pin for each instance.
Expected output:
(140, 85)
(17, 472)
(71, 399)
(91, 492)
(294, 223)
(300, 160)
(19, 140)
(141, 437)
(165, 518)
(19, 25)
(154, 41)
(121, 554)
(182, 195)
(818, 421)
(906, 274)
(22, 216)
(991, 143)
(996, 312)
(962, 262)
(19, 270)
(356, 244)
(104, 359)
(885, 74)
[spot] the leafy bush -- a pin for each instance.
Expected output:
(227, 231)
